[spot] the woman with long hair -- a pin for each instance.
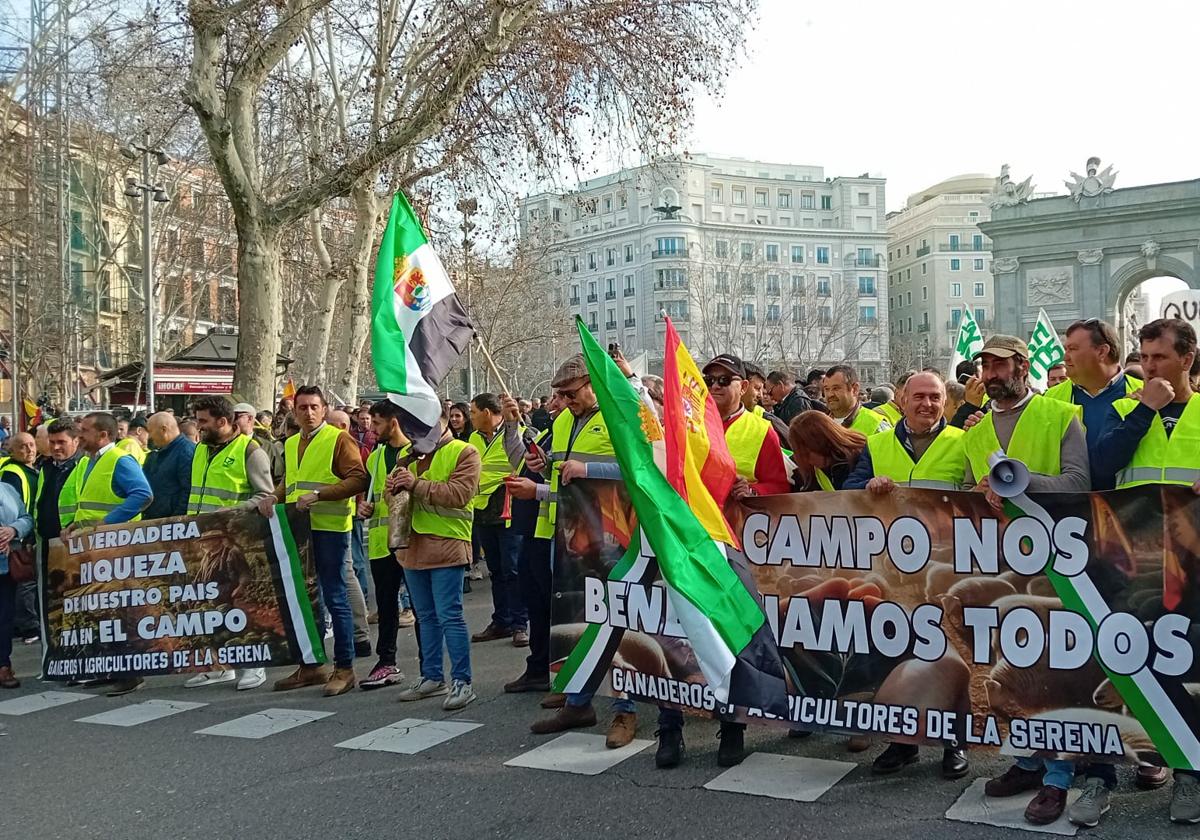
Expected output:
(825, 451)
(459, 420)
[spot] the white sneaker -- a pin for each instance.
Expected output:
(461, 694)
(210, 678)
(252, 678)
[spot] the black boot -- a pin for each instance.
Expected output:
(670, 748)
(733, 744)
(894, 758)
(954, 763)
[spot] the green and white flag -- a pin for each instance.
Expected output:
(969, 342)
(418, 327)
(1045, 351)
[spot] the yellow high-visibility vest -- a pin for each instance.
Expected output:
(314, 472)
(1160, 459)
(591, 446)
(941, 467)
(1036, 440)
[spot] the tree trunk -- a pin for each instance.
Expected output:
(366, 206)
(319, 324)
(260, 315)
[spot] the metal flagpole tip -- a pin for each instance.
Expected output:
(1007, 477)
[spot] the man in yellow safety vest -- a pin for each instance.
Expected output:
(841, 390)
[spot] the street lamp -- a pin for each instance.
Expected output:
(150, 193)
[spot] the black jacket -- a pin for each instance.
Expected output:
(794, 403)
(54, 477)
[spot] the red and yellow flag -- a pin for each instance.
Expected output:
(289, 389)
(33, 413)
(699, 465)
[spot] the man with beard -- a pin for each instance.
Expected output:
(229, 469)
(1047, 436)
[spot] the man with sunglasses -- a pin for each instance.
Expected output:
(1095, 381)
(758, 458)
(579, 447)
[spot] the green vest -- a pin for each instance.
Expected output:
(96, 498)
(427, 518)
(377, 525)
(744, 439)
(131, 446)
(13, 468)
(495, 465)
(591, 446)
(311, 474)
(1065, 391)
(1036, 440)
(1160, 459)
(68, 497)
(868, 422)
(823, 481)
(890, 412)
(940, 468)
(221, 483)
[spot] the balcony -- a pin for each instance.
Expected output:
(864, 291)
(748, 319)
(610, 325)
(722, 319)
(593, 297)
(629, 291)
(660, 286)
(630, 322)
(773, 319)
(854, 261)
(868, 322)
(676, 253)
(575, 301)
(610, 295)
(922, 328)
(923, 251)
(951, 247)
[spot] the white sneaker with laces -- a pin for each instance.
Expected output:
(461, 695)
(211, 678)
(422, 689)
(252, 678)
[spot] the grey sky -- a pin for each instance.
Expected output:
(918, 92)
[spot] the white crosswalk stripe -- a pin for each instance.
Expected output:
(43, 700)
(782, 776)
(576, 752)
(410, 736)
(140, 713)
(263, 724)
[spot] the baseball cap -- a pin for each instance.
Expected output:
(1004, 346)
(728, 361)
(244, 408)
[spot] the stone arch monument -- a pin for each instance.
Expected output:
(1081, 255)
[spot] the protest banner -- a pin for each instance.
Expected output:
(921, 616)
(189, 593)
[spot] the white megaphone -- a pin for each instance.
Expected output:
(1007, 477)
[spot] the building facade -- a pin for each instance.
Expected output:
(939, 265)
(773, 262)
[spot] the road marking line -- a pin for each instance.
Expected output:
(409, 736)
(43, 700)
(782, 777)
(576, 752)
(263, 724)
(140, 713)
(976, 807)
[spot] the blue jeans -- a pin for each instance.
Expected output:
(329, 555)
(358, 554)
(502, 551)
(1058, 774)
(437, 600)
(619, 704)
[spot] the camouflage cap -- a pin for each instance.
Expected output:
(570, 370)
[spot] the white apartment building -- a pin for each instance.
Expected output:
(773, 262)
(939, 264)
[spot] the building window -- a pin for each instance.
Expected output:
(924, 293)
(785, 199)
(747, 250)
(739, 195)
(747, 313)
(629, 319)
(772, 252)
(864, 199)
(722, 313)
(797, 253)
(980, 317)
(978, 290)
(956, 290)
(955, 264)
(822, 287)
(557, 267)
(977, 265)
(798, 313)
(722, 249)
(557, 213)
(611, 323)
(826, 202)
(977, 242)
(676, 309)
(748, 284)
(668, 246)
(825, 316)
(722, 281)
(773, 313)
(592, 322)
(822, 255)
(807, 201)
(955, 242)
(908, 298)
(610, 256)
(77, 241)
(907, 250)
(867, 315)
(628, 285)
(760, 198)
(574, 294)
(574, 264)
(608, 204)
(866, 285)
(772, 284)
(628, 253)
(716, 193)
(908, 272)
(670, 278)
(592, 261)
(955, 318)
(592, 297)
(798, 284)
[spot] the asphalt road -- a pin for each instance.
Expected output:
(63, 779)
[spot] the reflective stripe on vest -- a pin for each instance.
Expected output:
(220, 483)
(1159, 459)
(1036, 439)
(941, 467)
(591, 446)
(438, 521)
(744, 438)
(68, 497)
(13, 468)
(495, 465)
(868, 422)
(313, 473)
(377, 524)
(96, 498)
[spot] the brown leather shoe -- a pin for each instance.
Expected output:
(303, 676)
(1014, 780)
(520, 638)
(1148, 776)
(8, 679)
(621, 730)
(554, 700)
(340, 681)
(525, 683)
(491, 633)
(568, 717)
(1047, 806)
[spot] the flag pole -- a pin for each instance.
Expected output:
(492, 364)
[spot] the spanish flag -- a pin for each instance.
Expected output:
(33, 413)
(699, 465)
(289, 389)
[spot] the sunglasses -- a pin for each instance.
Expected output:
(566, 395)
(725, 380)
